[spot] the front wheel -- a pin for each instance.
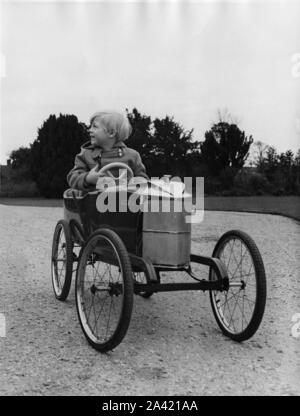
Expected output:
(62, 260)
(239, 310)
(104, 290)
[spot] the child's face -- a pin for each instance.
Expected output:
(99, 135)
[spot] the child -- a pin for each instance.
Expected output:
(108, 132)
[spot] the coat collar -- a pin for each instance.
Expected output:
(89, 145)
(97, 151)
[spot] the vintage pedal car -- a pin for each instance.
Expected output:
(121, 251)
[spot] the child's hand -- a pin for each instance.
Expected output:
(105, 182)
(92, 176)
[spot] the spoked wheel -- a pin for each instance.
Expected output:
(62, 260)
(239, 310)
(140, 277)
(104, 290)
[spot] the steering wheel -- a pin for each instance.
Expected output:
(106, 170)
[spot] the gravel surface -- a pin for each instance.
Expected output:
(173, 345)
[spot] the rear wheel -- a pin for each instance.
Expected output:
(104, 290)
(239, 310)
(62, 260)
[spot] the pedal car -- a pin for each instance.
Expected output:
(119, 253)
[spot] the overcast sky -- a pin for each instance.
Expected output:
(184, 59)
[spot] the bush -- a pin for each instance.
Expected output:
(251, 183)
(14, 184)
(297, 188)
(17, 190)
(212, 186)
(278, 191)
(227, 177)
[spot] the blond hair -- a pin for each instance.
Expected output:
(114, 121)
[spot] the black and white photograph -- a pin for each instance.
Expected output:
(149, 200)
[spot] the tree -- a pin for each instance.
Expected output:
(297, 159)
(225, 146)
(164, 145)
(286, 160)
(287, 171)
(260, 151)
(20, 157)
(297, 172)
(173, 146)
(141, 137)
(224, 116)
(20, 162)
(53, 153)
(270, 163)
(282, 171)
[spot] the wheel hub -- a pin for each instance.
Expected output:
(113, 289)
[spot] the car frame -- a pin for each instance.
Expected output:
(115, 256)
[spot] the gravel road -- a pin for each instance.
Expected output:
(173, 345)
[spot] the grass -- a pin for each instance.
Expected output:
(32, 202)
(288, 206)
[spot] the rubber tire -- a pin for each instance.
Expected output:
(127, 307)
(261, 287)
(62, 224)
